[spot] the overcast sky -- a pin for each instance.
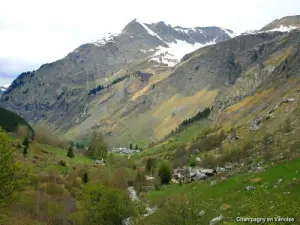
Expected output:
(34, 32)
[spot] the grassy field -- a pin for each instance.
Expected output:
(276, 193)
(185, 137)
(42, 157)
(78, 159)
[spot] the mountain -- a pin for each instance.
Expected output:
(2, 90)
(139, 56)
(284, 24)
(139, 85)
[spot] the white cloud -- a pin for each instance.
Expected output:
(34, 32)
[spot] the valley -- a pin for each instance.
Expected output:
(157, 125)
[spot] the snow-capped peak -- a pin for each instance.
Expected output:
(151, 32)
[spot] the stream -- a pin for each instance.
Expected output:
(133, 196)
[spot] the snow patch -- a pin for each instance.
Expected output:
(189, 30)
(108, 38)
(283, 29)
(247, 32)
(183, 30)
(230, 34)
(172, 55)
(4, 87)
(199, 30)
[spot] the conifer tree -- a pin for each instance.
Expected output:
(85, 178)
(70, 152)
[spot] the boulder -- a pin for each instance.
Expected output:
(255, 124)
(228, 166)
(199, 176)
(216, 220)
(250, 188)
(220, 169)
(201, 213)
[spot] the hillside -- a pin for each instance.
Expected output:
(140, 56)
(10, 122)
(219, 128)
(138, 99)
(288, 22)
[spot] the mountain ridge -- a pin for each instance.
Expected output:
(145, 107)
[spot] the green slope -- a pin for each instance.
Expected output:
(276, 193)
(10, 121)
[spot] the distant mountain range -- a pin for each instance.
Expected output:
(141, 83)
(2, 90)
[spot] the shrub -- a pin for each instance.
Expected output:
(62, 163)
(150, 164)
(165, 173)
(55, 190)
(140, 182)
(118, 179)
(11, 173)
(75, 192)
(209, 142)
(192, 162)
(181, 157)
(98, 147)
(34, 181)
(44, 135)
(70, 153)
(102, 205)
(179, 209)
(209, 161)
(157, 187)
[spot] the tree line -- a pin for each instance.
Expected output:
(115, 81)
(199, 116)
(101, 87)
